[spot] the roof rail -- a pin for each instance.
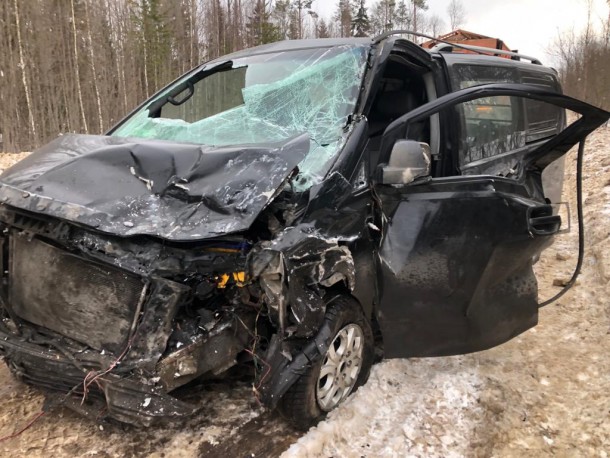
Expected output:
(389, 33)
(443, 47)
(447, 47)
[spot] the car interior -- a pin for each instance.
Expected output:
(405, 85)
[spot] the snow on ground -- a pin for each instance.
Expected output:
(403, 410)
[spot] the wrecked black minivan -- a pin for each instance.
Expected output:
(303, 207)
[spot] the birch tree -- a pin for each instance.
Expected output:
(76, 69)
(457, 14)
(24, 77)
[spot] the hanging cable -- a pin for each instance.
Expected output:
(581, 227)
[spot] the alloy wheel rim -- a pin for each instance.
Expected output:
(341, 367)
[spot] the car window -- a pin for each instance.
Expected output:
(542, 119)
(263, 99)
(205, 102)
(492, 126)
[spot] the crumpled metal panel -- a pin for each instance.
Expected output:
(292, 267)
(171, 190)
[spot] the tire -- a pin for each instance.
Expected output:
(311, 397)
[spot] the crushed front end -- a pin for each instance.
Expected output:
(182, 243)
(113, 325)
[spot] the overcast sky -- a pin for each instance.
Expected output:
(527, 25)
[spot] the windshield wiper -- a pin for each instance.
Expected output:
(154, 109)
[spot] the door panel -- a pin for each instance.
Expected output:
(456, 266)
(456, 256)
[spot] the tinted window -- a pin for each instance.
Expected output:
(215, 94)
(490, 125)
(501, 124)
(542, 119)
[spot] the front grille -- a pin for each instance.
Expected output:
(89, 302)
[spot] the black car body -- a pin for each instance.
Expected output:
(222, 220)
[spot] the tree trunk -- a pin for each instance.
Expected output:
(77, 71)
(24, 79)
(92, 56)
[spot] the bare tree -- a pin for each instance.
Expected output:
(80, 65)
(24, 78)
(584, 62)
(76, 68)
(93, 71)
(434, 25)
(457, 14)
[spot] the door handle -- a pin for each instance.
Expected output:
(542, 221)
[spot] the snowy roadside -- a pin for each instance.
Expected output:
(405, 409)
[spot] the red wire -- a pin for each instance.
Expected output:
(22, 430)
(97, 374)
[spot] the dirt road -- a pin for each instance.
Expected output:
(547, 392)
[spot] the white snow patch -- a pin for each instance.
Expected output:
(415, 407)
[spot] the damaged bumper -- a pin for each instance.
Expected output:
(82, 318)
(112, 396)
(101, 385)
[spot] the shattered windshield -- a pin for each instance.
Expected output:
(264, 98)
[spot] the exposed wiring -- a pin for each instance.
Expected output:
(93, 376)
(256, 387)
(255, 357)
(256, 336)
(581, 227)
(90, 378)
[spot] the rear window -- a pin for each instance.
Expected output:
(542, 119)
(496, 125)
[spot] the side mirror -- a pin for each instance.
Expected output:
(409, 160)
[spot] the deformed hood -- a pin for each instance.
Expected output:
(175, 191)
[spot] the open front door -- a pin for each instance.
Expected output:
(457, 252)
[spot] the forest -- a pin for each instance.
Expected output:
(81, 65)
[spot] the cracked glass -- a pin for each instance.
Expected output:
(265, 98)
(501, 124)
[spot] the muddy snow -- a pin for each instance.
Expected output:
(547, 392)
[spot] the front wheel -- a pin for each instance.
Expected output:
(344, 367)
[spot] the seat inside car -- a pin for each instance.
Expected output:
(402, 90)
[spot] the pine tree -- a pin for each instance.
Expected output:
(281, 17)
(417, 5)
(360, 24)
(298, 10)
(154, 42)
(322, 29)
(260, 27)
(402, 18)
